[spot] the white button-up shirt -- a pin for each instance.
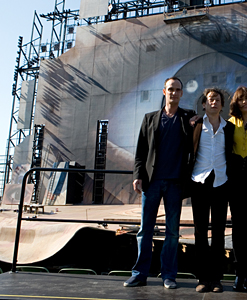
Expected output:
(211, 154)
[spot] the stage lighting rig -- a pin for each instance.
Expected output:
(112, 8)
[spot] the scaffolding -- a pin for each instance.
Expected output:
(27, 68)
(100, 161)
(36, 159)
(63, 32)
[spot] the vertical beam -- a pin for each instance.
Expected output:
(29, 69)
(16, 73)
(100, 161)
(56, 35)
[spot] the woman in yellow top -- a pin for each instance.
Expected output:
(238, 202)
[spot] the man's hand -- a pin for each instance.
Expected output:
(137, 185)
(194, 119)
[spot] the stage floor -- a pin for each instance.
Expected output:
(24, 285)
(41, 240)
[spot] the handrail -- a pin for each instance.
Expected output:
(106, 222)
(24, 180)
(101, 222)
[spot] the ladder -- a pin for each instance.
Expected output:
(36, 158)
(100, 161)
(50, 196)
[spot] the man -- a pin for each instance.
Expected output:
(212, 139)
(160, 166)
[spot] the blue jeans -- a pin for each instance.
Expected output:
(171, 192)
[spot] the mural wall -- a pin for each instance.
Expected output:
(116, 72)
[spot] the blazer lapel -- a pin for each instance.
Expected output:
(156, 120)
(182, 114)
(155, 124)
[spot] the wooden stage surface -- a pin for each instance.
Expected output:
(40, 240)
(24, 285)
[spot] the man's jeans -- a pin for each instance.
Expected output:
(171, 192)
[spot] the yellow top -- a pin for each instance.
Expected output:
(240, 137)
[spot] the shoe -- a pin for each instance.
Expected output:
(239, 284)
(134, 281)
(202, 287)
(245, 285)
(170, 284)
(216, 287)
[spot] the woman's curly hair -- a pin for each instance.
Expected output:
(240, 93)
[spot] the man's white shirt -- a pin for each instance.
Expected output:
(211, 154)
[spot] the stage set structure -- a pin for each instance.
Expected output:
(79, 100)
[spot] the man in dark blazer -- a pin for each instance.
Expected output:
(211, 158)
(161, 166)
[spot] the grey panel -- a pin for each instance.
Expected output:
(116, 71)
(240, 77)
(215, 79)
(57, 186)
(93, 8)
(26, 104)
(23, 153)
(12, 194)
(211, 70)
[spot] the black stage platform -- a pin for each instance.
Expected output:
(24, 285)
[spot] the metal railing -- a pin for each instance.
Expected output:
(100, 222)
(23, 187)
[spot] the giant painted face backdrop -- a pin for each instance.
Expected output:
(116, 72)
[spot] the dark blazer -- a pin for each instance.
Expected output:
(228, 130)
(147, 144)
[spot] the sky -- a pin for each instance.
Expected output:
(17, 20)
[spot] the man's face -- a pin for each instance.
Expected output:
(213, 103)
(173, 91)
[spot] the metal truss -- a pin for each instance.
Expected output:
(27, 68)
(138, 8)
(61, 29)
(118, 10)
